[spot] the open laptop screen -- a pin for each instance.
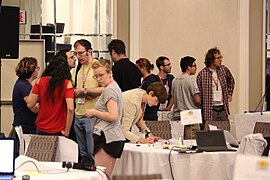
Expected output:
(210, 139)
(7, 156)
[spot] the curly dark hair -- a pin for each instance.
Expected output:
(58, 70)
(210, 56)
(26, 67)
(159, 91)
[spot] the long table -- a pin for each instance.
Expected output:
(53, 171)
(148, 159)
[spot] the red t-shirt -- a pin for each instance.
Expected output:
(52, 115)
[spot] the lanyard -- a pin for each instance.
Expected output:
(85, 76)
(215, 82)
(166, 85)
(167, 82)
(141, 119)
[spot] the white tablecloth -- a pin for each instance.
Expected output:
(54, 171)
(245, 123)
(145, 159)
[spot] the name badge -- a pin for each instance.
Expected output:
(162, 106)
(217, 96)
(167, 88)
(81, 100)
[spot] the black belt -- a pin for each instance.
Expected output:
(82, 117)
(218, 108)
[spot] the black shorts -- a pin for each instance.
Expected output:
(114, 149)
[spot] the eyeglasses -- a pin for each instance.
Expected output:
(79, 53)
(37, 68)
(219, 57)
(167, 64)
(71, 57)
(99, 75)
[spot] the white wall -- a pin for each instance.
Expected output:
(176, 28)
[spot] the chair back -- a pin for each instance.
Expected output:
(252, 144)
(160, 128)
(263, 128)
(136, 177)
(42, 148)
(19, 132)
(223, 125)
(67, 150)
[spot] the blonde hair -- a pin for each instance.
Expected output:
(102, 63)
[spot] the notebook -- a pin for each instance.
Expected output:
(212, 141)
(7, 158)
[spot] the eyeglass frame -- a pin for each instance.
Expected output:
(79, 53)
(219, 57)
(169, 64)
(99, 75)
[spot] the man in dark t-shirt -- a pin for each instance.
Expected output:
(125, 73)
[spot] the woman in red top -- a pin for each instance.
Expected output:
(55, 95)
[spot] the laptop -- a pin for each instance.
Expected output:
(7, 158)
(228, 136)
(212, 141)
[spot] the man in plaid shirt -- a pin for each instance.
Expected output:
(216, 85)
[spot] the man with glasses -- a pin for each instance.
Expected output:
(164, 66)
(86, 92)
(125, 73)
(216, 85)
(186, 93)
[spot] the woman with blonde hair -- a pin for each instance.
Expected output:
(108, 137)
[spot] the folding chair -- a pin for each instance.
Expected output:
(160, 128)
(223, 125)
(42, 148)
(264, 129)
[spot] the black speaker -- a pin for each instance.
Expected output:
(0, 5)
(9, 32)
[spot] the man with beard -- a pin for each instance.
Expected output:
(216, 85)
(164, 66)
(86, 92)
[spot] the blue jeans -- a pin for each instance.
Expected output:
(84, 133)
